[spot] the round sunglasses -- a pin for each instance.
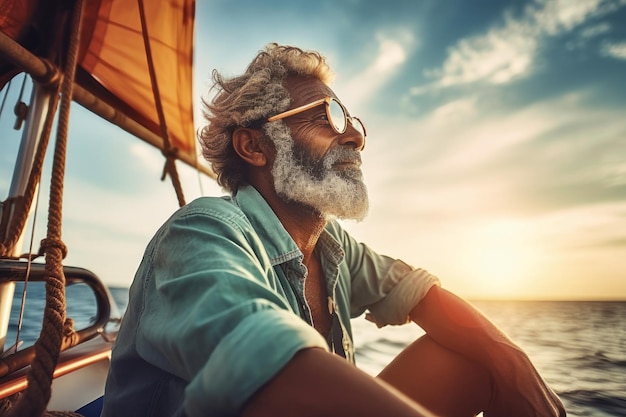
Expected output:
(337, 115)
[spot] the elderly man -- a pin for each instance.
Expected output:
(242, 304)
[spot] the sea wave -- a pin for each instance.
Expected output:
(594, 403)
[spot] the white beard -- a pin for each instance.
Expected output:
(314, 183)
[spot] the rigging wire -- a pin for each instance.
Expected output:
(4, 99)
(19, 111)
(200, 185)
(29, 256)
(29, 261)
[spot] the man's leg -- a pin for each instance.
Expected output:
(441, 380)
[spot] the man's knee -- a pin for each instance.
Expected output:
(438, 378)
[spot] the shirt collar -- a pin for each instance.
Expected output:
(279, 245)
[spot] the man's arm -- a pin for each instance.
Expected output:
(318, 383)
(518, 389)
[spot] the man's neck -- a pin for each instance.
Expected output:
(303, 224)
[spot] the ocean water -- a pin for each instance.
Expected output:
(578, 346)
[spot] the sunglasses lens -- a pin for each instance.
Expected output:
(358, 125)
(337, 116)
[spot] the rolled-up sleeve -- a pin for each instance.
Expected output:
(234, 330)
(408, 287)
(386, 287)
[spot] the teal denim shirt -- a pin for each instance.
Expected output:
(217, 307)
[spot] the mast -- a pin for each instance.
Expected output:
(38, 108)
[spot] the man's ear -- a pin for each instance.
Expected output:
(248, 143)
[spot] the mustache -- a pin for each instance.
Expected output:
(341, 154)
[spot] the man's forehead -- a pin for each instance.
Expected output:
(304, 90)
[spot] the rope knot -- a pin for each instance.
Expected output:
(49, 243)
(69, 334)
(170, 154)
(52, 78)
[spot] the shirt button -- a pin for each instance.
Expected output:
(346, 345)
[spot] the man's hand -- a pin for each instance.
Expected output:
(517, 388)
(523, 393)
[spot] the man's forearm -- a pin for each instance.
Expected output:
(457, 325)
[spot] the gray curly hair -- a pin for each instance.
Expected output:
(250, 98)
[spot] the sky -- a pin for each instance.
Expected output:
(496, 148)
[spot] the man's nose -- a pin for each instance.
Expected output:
(352, 137)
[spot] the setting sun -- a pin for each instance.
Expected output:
(500, 259)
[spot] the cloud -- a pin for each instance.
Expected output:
(595, 30)
(464, 159)
(508, 52)
(391, 55)
(393, 50)
(554, 17)
(497, 57)
(619, 242)
(587, 34)
(615, 175)
(614, 50)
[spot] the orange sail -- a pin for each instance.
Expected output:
(114, 59)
